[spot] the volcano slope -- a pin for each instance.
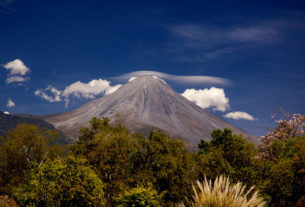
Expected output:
(146, 103)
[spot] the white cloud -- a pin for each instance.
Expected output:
(6, 112)
(239, 115)
(16, 79)
(10, 103)
(77, 89)
(154, 76)
(88, 90)
(131, 79)
(214, 98)
(17, 67)
(50, 94)
(112, 89)
(176, 78)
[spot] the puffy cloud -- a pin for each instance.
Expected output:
(176, 78)
(16, 67)
(77, 89)
(131, 79)
(16, 79)
(90, 89)
(50, 94)
(214, 98)
(6, 112)
(17, 71)
(112, 89)
(240, 115)
(10, 103)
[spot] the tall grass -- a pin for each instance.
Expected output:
(223, 194)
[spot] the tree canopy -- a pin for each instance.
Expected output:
(110, 166)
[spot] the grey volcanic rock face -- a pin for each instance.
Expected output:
(146, 103)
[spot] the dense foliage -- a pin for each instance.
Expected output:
(124, 160)
(110, 166)
(23, 148)
(227, 154)
(283, 169)
(61, 183)
(139, 197)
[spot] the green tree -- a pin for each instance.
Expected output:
(61, 183)
(166, 163)
(108, 150)
(283, 152)
(23, 148)
(284, 177)
(124, 160)
(227, 154)
(139, 197)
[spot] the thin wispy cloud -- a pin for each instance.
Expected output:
(265, 34)
(216, 53)
(198, 36)
(6, 6)
(18, 79)
(200, 42)
(201, 56)
(176, 78)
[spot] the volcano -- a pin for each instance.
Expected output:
(146, 103)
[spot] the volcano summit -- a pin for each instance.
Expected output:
(145, 103)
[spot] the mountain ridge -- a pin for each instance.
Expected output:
(10, 121)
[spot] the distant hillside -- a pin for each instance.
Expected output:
(10, 121)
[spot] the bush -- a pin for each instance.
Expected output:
(139, 197)
(222, 193)
(61, 183)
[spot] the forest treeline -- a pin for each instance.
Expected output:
(110, 166)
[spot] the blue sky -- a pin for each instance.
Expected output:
(56, 48)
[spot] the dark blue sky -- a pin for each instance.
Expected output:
(257, 46)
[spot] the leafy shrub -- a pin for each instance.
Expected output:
(139, 197)
(61, 183)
